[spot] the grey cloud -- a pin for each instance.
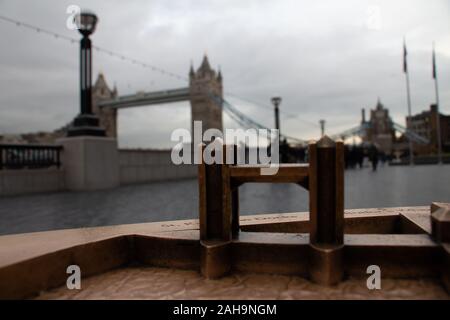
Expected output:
(319, 56)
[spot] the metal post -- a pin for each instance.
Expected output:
(438, 119)
(58, 157)
(276, 102)
(215, 217)
(277, 118)
(234, 189)
(408, 96)
(326, 191)
(86, 123)
(322, 127)
(85, 75)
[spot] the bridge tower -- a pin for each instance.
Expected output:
(107, 116)
(204, 84)
(380, 130)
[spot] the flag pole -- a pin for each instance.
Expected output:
(408, 97)
(438, 118)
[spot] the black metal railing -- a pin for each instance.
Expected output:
(20, 156)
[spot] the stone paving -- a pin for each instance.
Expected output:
(162, 283)
(388, 187)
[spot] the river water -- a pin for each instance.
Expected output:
(387, 187)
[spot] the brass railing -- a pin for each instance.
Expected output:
(323, 177)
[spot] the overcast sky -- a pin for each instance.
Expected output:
(326, 59)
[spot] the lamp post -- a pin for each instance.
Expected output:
(276, 102)
(86, 123)
(322, 127)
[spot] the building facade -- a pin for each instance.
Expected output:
(425, 124)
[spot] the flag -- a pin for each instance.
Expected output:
(434, 64)
(405, 53)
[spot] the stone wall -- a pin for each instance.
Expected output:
(140, 166)
(18, 182)
(135, 166)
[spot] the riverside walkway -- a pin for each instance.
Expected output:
(388, 187)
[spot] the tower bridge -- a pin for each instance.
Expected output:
(205, 84)
(205, 94)
(380, 130)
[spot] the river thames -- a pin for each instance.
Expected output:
(389, 186)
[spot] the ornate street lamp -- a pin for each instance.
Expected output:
(86, 123)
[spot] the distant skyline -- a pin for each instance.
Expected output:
(326, 59)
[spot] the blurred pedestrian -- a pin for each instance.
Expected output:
(373, 156)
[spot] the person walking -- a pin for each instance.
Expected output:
(373, 156)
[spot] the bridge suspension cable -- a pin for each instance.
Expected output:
(361, 129)
(265, 106)
(243, 119)
(411, 135)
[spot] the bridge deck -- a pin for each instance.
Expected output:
(147, 98)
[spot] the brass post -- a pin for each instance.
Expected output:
(215, 218)
(326, 187)
(234, 189)
(440, 221)
(440, 231)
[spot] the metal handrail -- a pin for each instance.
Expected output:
(31, 156)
